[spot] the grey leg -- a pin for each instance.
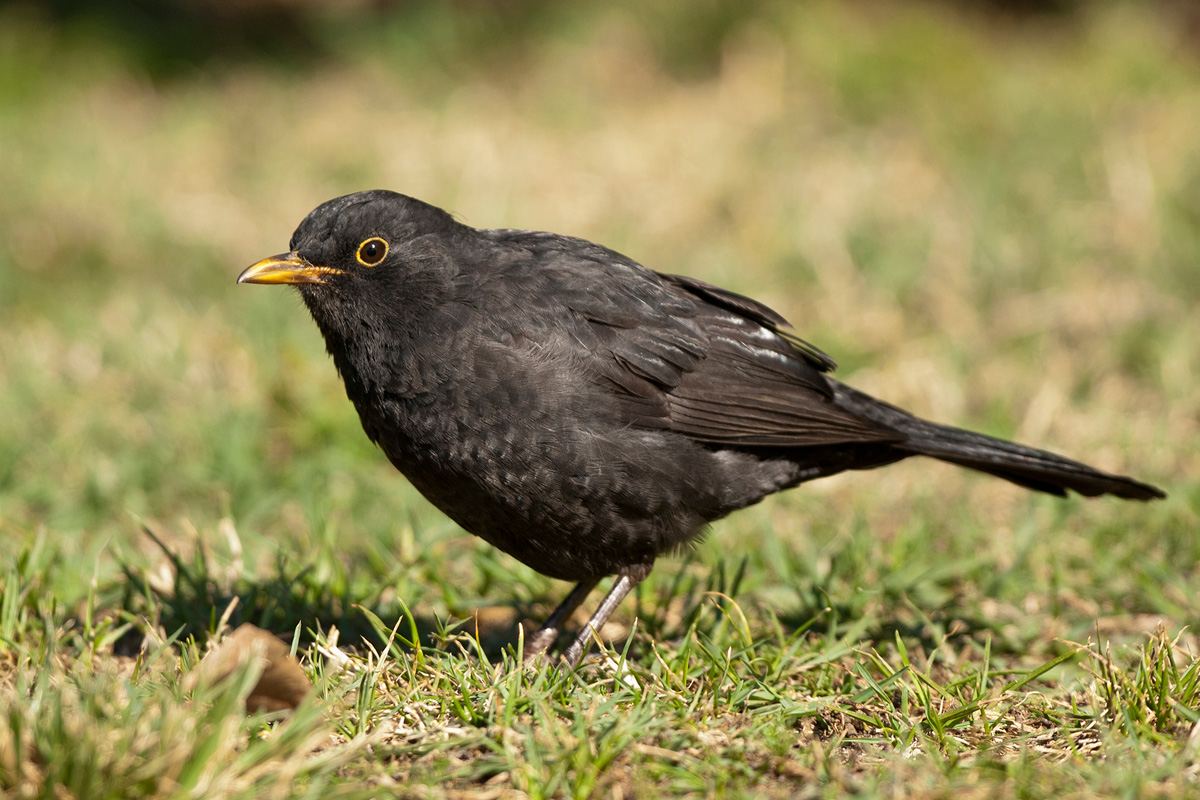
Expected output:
(537, 644)
(625, 583)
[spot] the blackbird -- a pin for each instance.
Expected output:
(581, 412)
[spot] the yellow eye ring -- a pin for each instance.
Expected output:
(372, 251)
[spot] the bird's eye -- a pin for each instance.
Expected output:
(372, 251)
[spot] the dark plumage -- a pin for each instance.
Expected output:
(581, 412)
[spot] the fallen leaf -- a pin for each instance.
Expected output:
(282, 684)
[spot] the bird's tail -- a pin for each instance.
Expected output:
(1024, 466)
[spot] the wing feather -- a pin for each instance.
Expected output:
(681, 354)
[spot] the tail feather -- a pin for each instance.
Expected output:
(1024, 466)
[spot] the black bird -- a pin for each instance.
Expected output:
(581, 412)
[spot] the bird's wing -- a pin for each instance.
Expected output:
(684, 355)
(758, 385)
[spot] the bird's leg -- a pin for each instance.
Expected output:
(627, 579)
(536, 645)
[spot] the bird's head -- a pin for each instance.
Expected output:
(375, 270)
(367, 265)
(360, 245)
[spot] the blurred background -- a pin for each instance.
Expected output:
(986, 212)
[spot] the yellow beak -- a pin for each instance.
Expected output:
(285, 268)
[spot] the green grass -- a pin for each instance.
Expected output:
(993, 223)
